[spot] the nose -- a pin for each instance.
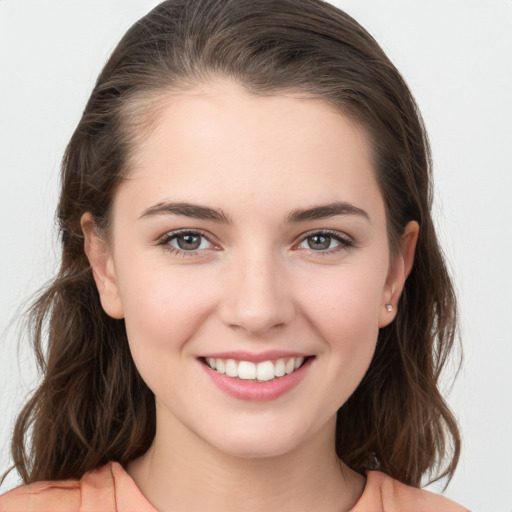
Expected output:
(257, 296)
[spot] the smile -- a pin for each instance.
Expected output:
(262, 372)
(256, 377)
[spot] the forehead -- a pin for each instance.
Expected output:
(218, 142)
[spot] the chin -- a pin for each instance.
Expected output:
(258, 449)
(261, 441)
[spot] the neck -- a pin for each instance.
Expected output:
(182, 472)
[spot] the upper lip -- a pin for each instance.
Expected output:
(269, 355)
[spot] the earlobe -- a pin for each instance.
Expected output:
(100, 259)
(399, 270)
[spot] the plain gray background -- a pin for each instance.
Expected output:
(456, 57)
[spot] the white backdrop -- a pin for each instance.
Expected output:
(457, 58)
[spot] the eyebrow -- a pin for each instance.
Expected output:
(188, 210)
(217, 215)
(326, 211)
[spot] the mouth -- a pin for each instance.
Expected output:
(263, 371)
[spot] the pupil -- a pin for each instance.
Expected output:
(319, 242)
(189, 242)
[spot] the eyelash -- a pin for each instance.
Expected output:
(166, 240)
(344, 241)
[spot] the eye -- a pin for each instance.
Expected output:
(325, 241)
(319, 242)
(186, 242)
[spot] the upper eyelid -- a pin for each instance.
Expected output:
(345, 243)
(171, 235)
(340, 235)
(332, 232)
(183, 231)
(165, 242)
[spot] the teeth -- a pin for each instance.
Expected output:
(280, 368)
(265, 371)
(220, 366)
(246, 370)
(231, 368)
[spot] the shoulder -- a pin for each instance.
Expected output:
(383, 493)
(64, 495)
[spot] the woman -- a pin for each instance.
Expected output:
(252, 310)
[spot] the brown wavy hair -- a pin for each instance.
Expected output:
(92, 406)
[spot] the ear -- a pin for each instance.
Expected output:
(100, 259)
(399, 269)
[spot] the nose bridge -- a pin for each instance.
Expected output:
(257, 298)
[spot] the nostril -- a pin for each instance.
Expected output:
(258, 320)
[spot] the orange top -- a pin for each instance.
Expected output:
(110, 489)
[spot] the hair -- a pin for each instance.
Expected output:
(92, 405)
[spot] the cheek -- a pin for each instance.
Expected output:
(349, 296)
(162, 307)
(344, 309)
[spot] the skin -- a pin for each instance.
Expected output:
(254, 284)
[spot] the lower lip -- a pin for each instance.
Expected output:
(257, 391)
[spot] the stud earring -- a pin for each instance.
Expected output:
(389, 307)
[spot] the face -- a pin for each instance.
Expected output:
(249, 258)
